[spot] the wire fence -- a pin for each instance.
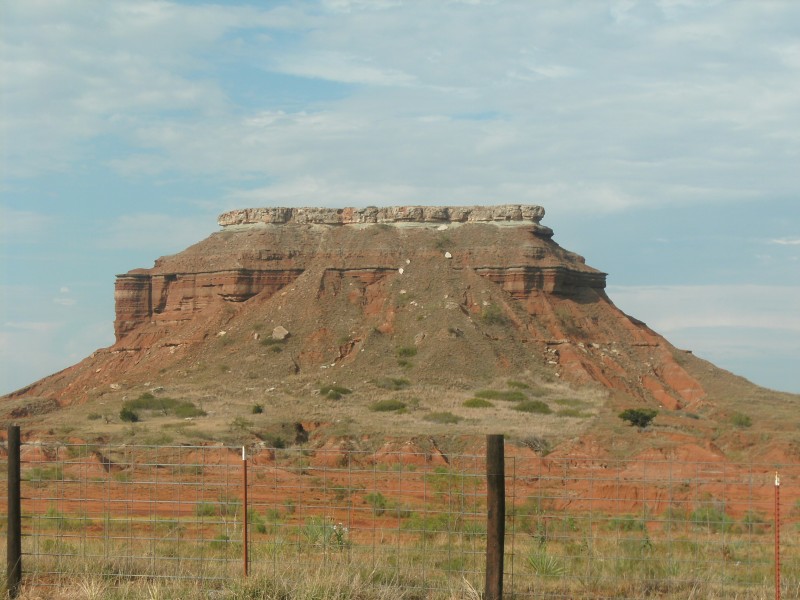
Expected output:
(575, 528)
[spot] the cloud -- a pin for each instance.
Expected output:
(36, 326)
(673, 308)
(22, 224)
(148, 231)
(786, 241)
(597, 106)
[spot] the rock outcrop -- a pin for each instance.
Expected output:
(392, 214)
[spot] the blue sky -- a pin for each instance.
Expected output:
(662, 137)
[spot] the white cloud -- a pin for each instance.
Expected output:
(612, 105)
(673, 308)
(786, 241)
(19, 224)
(151, 231)
(337, 66)
(36, 326)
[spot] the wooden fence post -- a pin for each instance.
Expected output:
(495, 518)
(245, 542)
(14, 530)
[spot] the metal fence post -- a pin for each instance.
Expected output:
(495, 518)
(14, 530)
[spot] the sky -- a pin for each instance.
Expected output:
(662, 137)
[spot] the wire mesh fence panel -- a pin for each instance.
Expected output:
(396, 519)
(636, 529)
(575, 527)
(150, 512)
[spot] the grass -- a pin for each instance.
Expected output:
(572, 412)
(520, 385)
(477, 403)
(505, 395)
(406, 351)
(392, 383)
(334, 392)
(432, 548)
(493, 315)
(388, 405)
(741, 420)
(442, 417)
(162, 406)
(533, 406)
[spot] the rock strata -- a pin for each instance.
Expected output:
(505, 213)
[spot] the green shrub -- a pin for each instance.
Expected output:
(493, 315)
(533, 406)
(273, 440)
(711, 518)
(127, 415)
(257, 409)
(520, 385)
(377, 501)
(186, 410)
(54, 473)
(640, 417)
(392, 383)
(406, 351)
(477, 403)
(573, 412)
(334, 392)
(627, 523)
(506, 395)
(179, 408)
(754, 523)
(387, 405)
(538, 444)
(571, 402)
(741, 421)
(205, 509)
(442, 417)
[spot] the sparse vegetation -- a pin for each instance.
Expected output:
(392, 383)
(442, 417)
(477, 403)
(128, 415)
(538, 444)
(741, 420)
(334, 392)
(388, 405)
(493, 315)
(573, 413)
(639, 417)
(533, 406)
(406, 351)
(505, 395)
(257, 409)
(520, 385)
(377, 501)
(164, 406)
